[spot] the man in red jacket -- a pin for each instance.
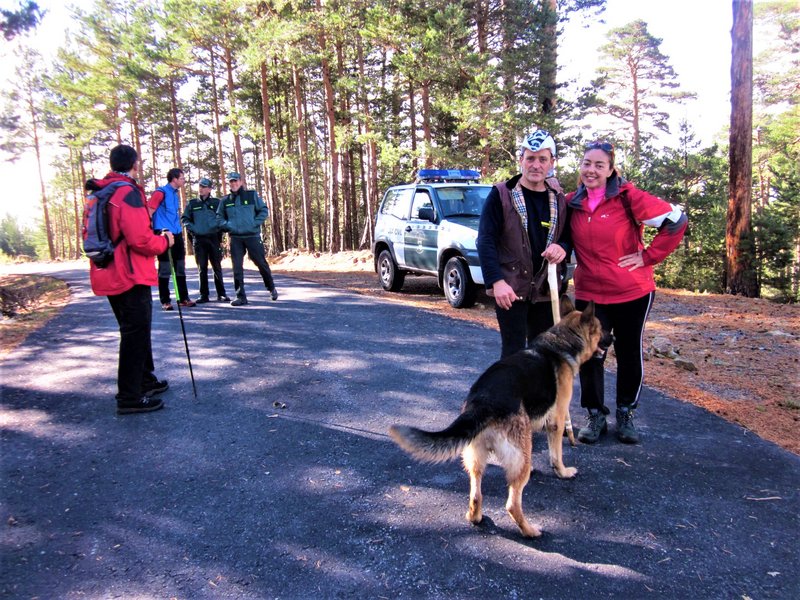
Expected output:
(126, 281)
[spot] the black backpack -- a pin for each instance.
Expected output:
(97, 244)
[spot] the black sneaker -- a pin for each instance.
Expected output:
(596, 426)
(156, 387)
(129, 407)
(223, 298)
(274, 293)
(166, 306)
(626, 430)
(201, 300)
(239, 302)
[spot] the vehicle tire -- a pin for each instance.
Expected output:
(391, 276)
(458, 287)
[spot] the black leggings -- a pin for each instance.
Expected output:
(626, 321)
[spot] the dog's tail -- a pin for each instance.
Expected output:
(438, 446)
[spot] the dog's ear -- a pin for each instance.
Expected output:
(588, 312)
(565, 306)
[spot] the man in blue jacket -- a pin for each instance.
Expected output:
(200, 219)
(241, 214)
(165, 208)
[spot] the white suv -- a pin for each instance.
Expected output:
(429, 228)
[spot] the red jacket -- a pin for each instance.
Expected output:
(602, 237)
(129, 222)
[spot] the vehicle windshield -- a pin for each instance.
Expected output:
(464, 201)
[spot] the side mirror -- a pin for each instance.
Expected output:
(426, 214)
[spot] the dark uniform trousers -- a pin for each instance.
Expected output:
(207, 248)
(255, 250)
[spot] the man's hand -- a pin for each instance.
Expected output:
(631, 261)
(170, 238)
(504, 295)
(554, 253)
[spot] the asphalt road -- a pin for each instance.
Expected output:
(279, 480)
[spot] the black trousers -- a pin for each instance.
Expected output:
(134, 312)
(207, 248)
(521, 323)
(178, 252)
(626, 321)
(255, 250)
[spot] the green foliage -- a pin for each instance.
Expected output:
(15, 241)
(16, 22)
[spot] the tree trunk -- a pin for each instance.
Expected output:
(740, 266)
(237, 140)
(334, 234)
(370, 178)
(45, 212)
(547, 71)
(223, 181)
(276, 210)
(482, 28)
(176, 136)
(426, 123)
(308, 225)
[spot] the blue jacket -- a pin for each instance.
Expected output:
(167, 204)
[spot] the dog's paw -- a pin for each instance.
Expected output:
(565, 472)
(531, 531)
(475, 519)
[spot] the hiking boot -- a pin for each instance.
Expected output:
(239, 302)
(626, 430)
(166, 306)
(596, 426)
(128, 407)
(187, 303)
(156, 387)
(274, 294)
(223, 298)
(202, 300)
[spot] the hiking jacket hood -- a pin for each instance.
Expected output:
(128, 222)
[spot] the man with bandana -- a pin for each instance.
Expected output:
(521, 230)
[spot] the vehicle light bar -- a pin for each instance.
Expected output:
(447, 176)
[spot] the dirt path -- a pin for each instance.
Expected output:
(746, 351)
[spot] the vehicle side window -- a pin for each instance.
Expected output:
(421, 200)
(396, 203)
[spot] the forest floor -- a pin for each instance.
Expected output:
(746, 351)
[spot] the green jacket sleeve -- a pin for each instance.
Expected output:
(187, 219)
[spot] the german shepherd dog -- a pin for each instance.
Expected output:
(513, 398)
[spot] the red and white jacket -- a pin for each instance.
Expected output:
(128, 222)
(601, 237)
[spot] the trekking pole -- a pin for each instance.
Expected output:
(180, 316)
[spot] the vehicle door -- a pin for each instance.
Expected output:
(393, 219)
(421, 235)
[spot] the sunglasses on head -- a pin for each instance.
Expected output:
(604, 146)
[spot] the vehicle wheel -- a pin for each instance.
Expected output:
(391, 276)
(457, 283)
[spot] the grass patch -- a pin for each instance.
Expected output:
(27, 302)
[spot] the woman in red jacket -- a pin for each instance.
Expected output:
(607, 214)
